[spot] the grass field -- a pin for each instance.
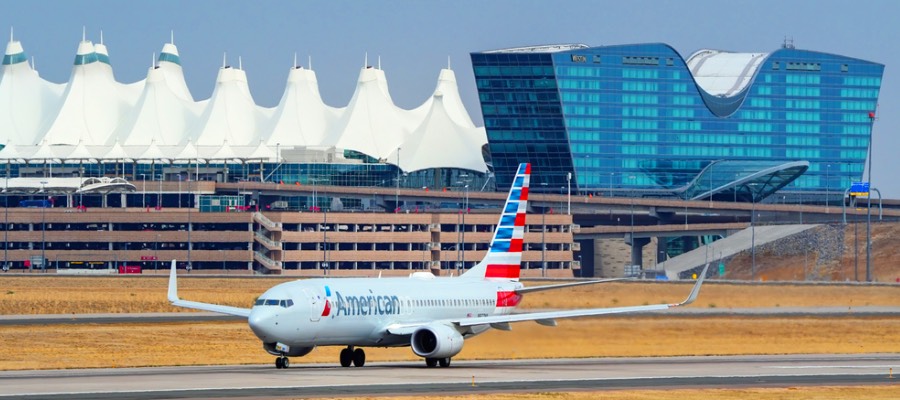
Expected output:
(66, 295)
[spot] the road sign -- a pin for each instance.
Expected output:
(859, 189)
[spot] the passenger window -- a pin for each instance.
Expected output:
(259, 302)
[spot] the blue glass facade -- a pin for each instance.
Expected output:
(632, 117)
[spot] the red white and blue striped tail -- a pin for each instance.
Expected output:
(504, 258)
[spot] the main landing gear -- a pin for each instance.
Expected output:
(282, 362)
(356, 357)
(434, 362)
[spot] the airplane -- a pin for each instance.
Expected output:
(432, 315)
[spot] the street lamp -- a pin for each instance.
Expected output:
(869, 204)
(569, 196)
(43, 228)
(610, 183)
(6, 223)
(397, 192)
(143, 191)
(827, 168)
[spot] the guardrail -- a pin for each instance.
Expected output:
(266, 261)
(269, 243)
(265, 221)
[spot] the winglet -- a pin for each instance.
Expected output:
(173, 284)
(695, 290)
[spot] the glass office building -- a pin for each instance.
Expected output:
(642, 120)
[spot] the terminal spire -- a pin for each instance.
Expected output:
(172, 37)
(11, 34)
(448, 62)
(83, 33)
(309, 63)
(101, 36)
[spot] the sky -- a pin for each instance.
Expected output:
(415, 39)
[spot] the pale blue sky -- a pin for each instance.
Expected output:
(414, 39)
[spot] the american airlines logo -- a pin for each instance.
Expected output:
(366, 305)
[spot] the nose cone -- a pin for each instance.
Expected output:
(264, 324)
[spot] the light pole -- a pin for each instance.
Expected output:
(156, 253)
(6, 223)
(610, 183)
(143, 191)
(43, 228)
(397, 192)
(869, 203)
(190, 207)
(569, 195)
(159, 195)
(463, 240)
(827, 168)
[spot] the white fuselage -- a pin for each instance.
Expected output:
(355, 311)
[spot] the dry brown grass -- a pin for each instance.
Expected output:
(132, 345)
(66, 295)
(885, 392)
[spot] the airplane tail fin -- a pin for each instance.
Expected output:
(504, 258)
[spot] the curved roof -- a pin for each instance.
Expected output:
(93, 116)
(722, 73)
(743, 180)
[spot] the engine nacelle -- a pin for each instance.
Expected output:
(436, 341)
(278, 349)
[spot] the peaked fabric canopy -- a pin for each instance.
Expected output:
(93, 116)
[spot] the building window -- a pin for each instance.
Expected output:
(596, 59)
(776, 65)
(845, 68)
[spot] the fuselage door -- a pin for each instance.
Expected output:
(316, 305)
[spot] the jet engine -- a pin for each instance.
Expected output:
(277, 349)
(436, 341)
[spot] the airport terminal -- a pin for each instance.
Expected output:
(627, 142)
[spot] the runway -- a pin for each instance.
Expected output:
(311, 380)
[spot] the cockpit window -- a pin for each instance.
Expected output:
(274, 302)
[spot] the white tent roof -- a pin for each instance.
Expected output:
(722, 73)
(231, 114)
(262, 152)
(160, 114)
(301, 117)
(439, 142)
(79, 153)
(224, 152)
(10, 152)
(44, 152)
(26, 100)
(94, 116)
(371, 124)
(93, 102)
(116, 152)
(189, 152)
(153, 152)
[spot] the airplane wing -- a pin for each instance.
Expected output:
(533, 289)
(173, 298)
(548, 317)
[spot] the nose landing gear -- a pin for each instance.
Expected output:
(282, 362)
(356, 357)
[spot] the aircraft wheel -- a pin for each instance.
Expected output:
(431, 362)
(287, 363)
(444, 362)
(346, 357)
(359, 358)
(279, 363)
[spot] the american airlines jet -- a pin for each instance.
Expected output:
(433, 315)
